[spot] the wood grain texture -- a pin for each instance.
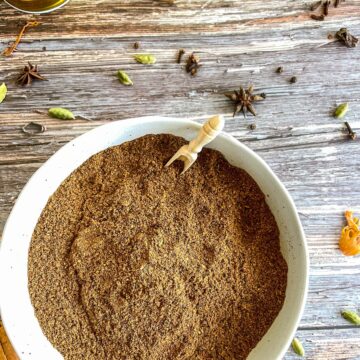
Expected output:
(80, 47)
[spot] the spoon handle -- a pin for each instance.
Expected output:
(207, 133)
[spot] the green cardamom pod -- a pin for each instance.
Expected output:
(124, 78)
(341, 110)
(297, 346)
(3, 92)
(145, 59)
(61, 113)
(351, 316)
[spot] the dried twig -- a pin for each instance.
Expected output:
(9, 50)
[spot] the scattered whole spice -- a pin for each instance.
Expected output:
(298, 347)
(28, 74)
(349, 242)
(252, 126)
(280, 69)
(33, 128)
(243, 100)
(146, 59)
(61, 113)
(136, 45)
(351, 316)
(351, 132)
(193, 64)
(124, 78)
(346, 38)
(341, 110)
(317, 17)
(326, 5)
(3, 92)
(325, 8)
(142, 281)
(293, 80)
(180, 54)
(9, 51)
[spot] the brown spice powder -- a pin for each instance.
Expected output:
(130, 261)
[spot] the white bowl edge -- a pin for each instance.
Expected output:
(15, 306)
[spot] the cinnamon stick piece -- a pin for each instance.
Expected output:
(8, 349)
(2, 354)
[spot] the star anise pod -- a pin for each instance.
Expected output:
(28, 74)
(243, 100)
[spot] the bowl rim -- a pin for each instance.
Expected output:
(131, 123)
(40, 12)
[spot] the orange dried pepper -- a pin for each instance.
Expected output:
(350, 236)
(8, 51)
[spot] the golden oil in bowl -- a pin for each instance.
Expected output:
(36, 6)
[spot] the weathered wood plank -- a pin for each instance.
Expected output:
(149, 17)
(75, 77)
(339, 344)
(238, 43)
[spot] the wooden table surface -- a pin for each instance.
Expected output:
(80, 47)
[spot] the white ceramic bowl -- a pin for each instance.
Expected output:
(16, 309)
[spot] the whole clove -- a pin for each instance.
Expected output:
(344, 36)
(136, 45)
(293, 80)
(193, 64)
(181, 52)
(280, 69)
(351, 133)
(326, 7)
(318, 17)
